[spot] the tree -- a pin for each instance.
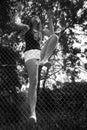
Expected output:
(9, 79)
(65, 17)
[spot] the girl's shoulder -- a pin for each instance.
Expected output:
(29, 32)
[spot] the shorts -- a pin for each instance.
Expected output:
(32, 54)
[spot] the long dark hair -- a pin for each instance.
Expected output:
(29, 33)
(28, 21)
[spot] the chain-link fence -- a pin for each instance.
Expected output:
(58, 109)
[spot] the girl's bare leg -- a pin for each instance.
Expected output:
(48, 49)
(32, 68)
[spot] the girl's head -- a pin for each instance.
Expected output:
(36, 22)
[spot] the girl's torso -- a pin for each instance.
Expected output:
(32, 40)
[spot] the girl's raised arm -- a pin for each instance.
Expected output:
(50, 20)
(48, 32)
(17, 25)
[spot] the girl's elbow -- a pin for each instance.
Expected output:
(26, 28)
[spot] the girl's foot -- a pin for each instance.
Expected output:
(33, 118)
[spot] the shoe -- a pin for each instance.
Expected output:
(47, 64)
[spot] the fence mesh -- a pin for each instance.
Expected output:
(59, 109)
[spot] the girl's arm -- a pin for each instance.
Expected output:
(49, 31)
(17, 25)
(51, 26)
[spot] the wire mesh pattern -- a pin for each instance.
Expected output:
(58, 109)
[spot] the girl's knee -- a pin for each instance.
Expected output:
(54, 37)
(32, 68)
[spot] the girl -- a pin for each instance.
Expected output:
(33, 34)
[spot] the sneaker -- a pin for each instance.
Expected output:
(47, 64)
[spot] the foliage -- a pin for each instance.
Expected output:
(67, 103)
(65, 18)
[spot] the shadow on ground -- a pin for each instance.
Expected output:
(60, 109)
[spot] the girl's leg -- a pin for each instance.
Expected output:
(48, 49)
(32, 69)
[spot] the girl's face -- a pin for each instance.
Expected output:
(36, 23)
